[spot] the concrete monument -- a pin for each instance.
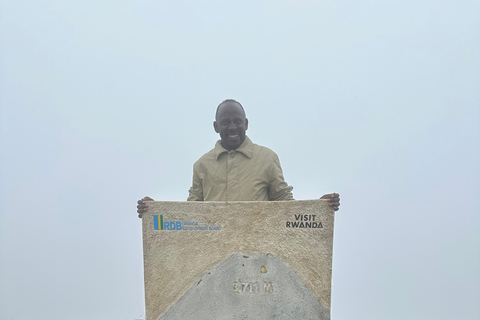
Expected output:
(238, 260)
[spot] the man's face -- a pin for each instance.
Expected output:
(231, 124)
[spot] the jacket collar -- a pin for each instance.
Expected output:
(246, 148)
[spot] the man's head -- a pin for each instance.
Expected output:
(231, 123)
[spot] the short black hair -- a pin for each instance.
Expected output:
(230, 100)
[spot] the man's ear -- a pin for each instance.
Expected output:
(215, 126)
(246, 124)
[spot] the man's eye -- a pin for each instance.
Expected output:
(238, 121)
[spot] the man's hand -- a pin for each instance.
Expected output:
(333, 200)
(142, 205)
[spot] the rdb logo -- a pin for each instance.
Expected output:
(159, 224)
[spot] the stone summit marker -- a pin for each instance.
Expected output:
(238, 260)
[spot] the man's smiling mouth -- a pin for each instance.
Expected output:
(233, 135)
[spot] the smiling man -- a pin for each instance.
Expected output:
(237, 169)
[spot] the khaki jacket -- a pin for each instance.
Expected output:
(249, 173)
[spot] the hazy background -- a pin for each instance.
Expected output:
(104, 102)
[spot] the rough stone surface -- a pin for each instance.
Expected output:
(198, 273)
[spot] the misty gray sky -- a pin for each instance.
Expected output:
(104, 102)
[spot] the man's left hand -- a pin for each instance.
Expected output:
(333, 200)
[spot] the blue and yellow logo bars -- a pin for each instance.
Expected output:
(158, 222)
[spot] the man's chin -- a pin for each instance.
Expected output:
(232, 143)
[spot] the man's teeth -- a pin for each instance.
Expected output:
(233, 135)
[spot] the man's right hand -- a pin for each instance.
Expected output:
(142, 205)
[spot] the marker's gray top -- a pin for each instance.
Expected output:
(248, 287)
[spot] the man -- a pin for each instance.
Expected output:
(237, 169)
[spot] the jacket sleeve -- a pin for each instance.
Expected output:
(195, 193)
(278, 189)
